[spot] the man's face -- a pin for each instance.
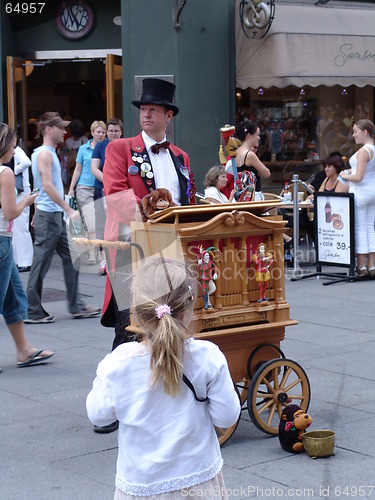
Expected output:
(154, 120)
(58, 134)
(113, 132)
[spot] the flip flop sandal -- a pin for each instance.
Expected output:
(34, 359)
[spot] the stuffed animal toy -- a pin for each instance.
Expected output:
(294, 421)
(157, 199)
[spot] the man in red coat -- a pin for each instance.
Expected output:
(135, 163)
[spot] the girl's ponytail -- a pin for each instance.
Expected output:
(162, 291)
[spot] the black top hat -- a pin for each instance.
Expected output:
(156, 91)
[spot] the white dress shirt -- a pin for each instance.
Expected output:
(214, 193)
(165, 174)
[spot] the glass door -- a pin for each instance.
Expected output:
(16, 90)
(114, 86)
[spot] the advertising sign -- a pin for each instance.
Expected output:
(334, 229)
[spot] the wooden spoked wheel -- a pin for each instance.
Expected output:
(274, 385)
(260, 355)
(241, 389)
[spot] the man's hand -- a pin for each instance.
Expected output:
(73, 214)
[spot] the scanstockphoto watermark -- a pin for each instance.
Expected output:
(277, 492)
(246, 491)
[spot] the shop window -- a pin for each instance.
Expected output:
(301, 126)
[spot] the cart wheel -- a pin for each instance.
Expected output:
(241, 389)
(274, 385)
(258, 358)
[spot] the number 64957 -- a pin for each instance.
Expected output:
(24, 8)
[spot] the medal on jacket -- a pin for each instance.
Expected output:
(133, 170)
(185, 172)
(146, 169)
(137, 158)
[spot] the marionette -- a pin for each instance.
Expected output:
(245, 186)
(263, 261)
(157, 199)
(207, 274)
(228, 144)
(243, 182)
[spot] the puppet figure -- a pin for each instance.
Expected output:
(207, 274)
(243, 182)
(228, 144)
(263, 261)
(245, 186)
(157, 199)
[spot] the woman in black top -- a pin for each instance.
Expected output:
(246, 159)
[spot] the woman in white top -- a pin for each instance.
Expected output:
(362, 183)
(22, 242)
(13, 299)
(215, 180)
(167, 441)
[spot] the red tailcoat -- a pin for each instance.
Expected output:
(121, 172)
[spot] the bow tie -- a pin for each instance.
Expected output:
(162, 145)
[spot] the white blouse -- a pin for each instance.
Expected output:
(165, 443)
(213, 192)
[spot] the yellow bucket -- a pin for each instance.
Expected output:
(319, 443)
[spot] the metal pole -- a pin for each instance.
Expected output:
(295, 222)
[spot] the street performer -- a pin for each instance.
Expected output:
(143, 163)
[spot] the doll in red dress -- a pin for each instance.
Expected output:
(263, 261)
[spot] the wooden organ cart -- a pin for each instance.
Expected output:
(249, 333)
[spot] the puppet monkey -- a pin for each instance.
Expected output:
(157, 199)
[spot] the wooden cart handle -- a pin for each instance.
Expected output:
(102, 243)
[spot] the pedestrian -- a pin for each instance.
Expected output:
(22, 241)
(114, 131)
(13, 299)
(82, 184)
(168, 391)
(67, 151)
(49, 225)
(246, 158)
(362, 183)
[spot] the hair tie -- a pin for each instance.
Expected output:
(162, 310)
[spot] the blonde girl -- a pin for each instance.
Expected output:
(168, 391)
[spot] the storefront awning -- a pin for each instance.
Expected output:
(309, 45)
